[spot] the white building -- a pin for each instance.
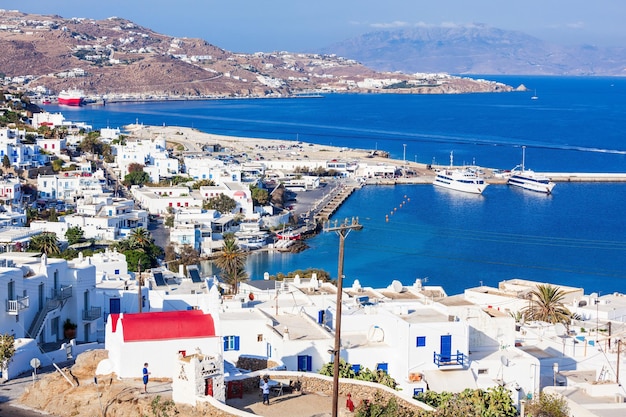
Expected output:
(158, 200)
(208, 168)
(41, 294)
(100, 217)
(237, 191)
(150, 153)
(10, 191)
(69, 185)
(158, 338)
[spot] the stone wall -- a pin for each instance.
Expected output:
(255, 364)
(359, 390)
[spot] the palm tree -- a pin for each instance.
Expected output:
(139, 238)
(547, 305)
(45, 242)
(232, 261)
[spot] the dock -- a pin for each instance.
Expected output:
(335, 200)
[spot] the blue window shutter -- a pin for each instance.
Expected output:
(309, 363)
(420, 341)
(236, 342)
(301, 363)
(356, 368)
(225, 343)
(382, 367)
(320, 317)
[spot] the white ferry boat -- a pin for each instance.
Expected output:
(465, 179)
(528, 179)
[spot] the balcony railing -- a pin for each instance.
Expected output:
(456, 359)
(62, 294)
(92, 313)
(15, 306)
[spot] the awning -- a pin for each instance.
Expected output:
(450, 381)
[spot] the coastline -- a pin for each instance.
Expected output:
(281, 149)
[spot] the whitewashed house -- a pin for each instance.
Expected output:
(10, 191)
(237, 191)
(69, 185)
(40, 294)
(54, 146)
(158, 338)
(159, 200)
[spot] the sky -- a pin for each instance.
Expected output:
(298, 26)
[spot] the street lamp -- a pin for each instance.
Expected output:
(555, 370)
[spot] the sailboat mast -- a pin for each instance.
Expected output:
(523, 157)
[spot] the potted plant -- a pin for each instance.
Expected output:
(69, 329)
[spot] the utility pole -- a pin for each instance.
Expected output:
(139, 284)
(619, 348)
(342, 231)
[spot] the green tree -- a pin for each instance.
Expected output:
(547, 405)
(222, 203)
(52, 215)
(136, 178)
(546, 304)
(137, 257)
(495, 402)
(260, 196)
(140, 239)
(74, 235)
(45, 242)
(202, 183)
(7, 349)
(57, 164)
(231, 261)
(6, 162)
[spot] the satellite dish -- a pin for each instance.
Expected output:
(504, 360)
(105, 367)
(396, 286)
(35, 363)
(560, 330)
(266, 276)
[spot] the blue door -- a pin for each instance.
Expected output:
(445, 349)
(114, 306)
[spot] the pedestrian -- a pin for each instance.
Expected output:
(146, 373)
(266, 391)
(349, 403)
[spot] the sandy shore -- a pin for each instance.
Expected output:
(269, 149)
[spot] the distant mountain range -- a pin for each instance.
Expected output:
(476, 49)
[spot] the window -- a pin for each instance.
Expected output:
(382, 367)
(259, 337)
(305, 363)
(356, 368)
(231, 343)
(420, 341)
(417, 391)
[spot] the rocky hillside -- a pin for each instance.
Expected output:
(120, 59)
(478, 49)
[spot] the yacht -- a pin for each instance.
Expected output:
(465, 179)
(528, 179)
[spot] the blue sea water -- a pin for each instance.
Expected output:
(577, 236)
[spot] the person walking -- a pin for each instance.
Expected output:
(266, 391)
(146, 373)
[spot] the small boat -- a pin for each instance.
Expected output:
(528, 179)
(465, 179)
(535, 96)
(288, 235)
